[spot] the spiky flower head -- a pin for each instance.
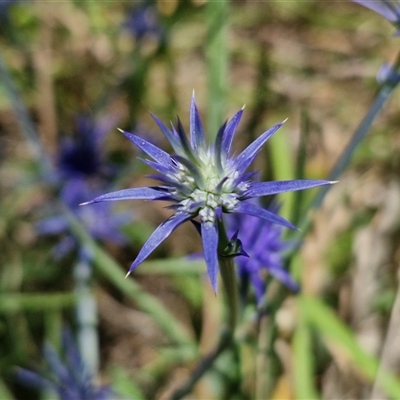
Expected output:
(82, 156)
(83, 171)
(65, 375)
(387, 8)
(203, 181)
(264, 252)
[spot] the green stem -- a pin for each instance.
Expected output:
(345, 158)
(228, 274)
(11, 303)
(205, 364)
(86, 316)
(113, 272)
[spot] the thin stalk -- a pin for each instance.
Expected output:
(107, 267)
(86, 316)
(345, 158)
(227, 269)
(205, 364)
(228, 274)
(300, 164)
(11, 303)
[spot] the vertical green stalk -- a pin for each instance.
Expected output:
(86, 316)
(345, 158)
(228, 274)
(108, 268)
(303, 363)
(217, 63)
(53, 324)
(283, 168)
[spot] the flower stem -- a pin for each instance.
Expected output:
(344, 160)
(226, 340)
(86, 316)
(228, 274)
(107, 267)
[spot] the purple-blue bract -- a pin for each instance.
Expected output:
(204, 181)
(387, 8)
(68, 377)
(263, 243)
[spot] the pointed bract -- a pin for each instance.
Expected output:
(161, 233)
(257, 211)
(383, 7)
(276, 187)
(173, 140)
(144, 193)
(204, 182)
(196, 128)
(154, 152)
(229, 133)
(247, 156)
(209, 236)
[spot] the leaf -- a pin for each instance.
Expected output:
(324, 320)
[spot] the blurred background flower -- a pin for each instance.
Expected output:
(65, 375)
(264, 244)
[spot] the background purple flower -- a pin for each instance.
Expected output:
(262, 241)
(101, 222)
(144, 21)
(82, 172)
(81, 155)
(66, 375)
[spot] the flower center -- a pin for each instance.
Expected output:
(212, 189)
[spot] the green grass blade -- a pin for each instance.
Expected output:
(303, 363)
(282, 167)
(107, 267)
(324, 320)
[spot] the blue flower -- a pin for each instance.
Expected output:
(81, 156)
(264, 246)
(204, 181)
(69, 378)
(387, 8)
(101, 223)
(83, 172)
(144, 21)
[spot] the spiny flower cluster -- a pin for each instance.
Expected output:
(204, 181)
(264, 248)
(67, 376)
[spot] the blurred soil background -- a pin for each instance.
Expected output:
(286, 59)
